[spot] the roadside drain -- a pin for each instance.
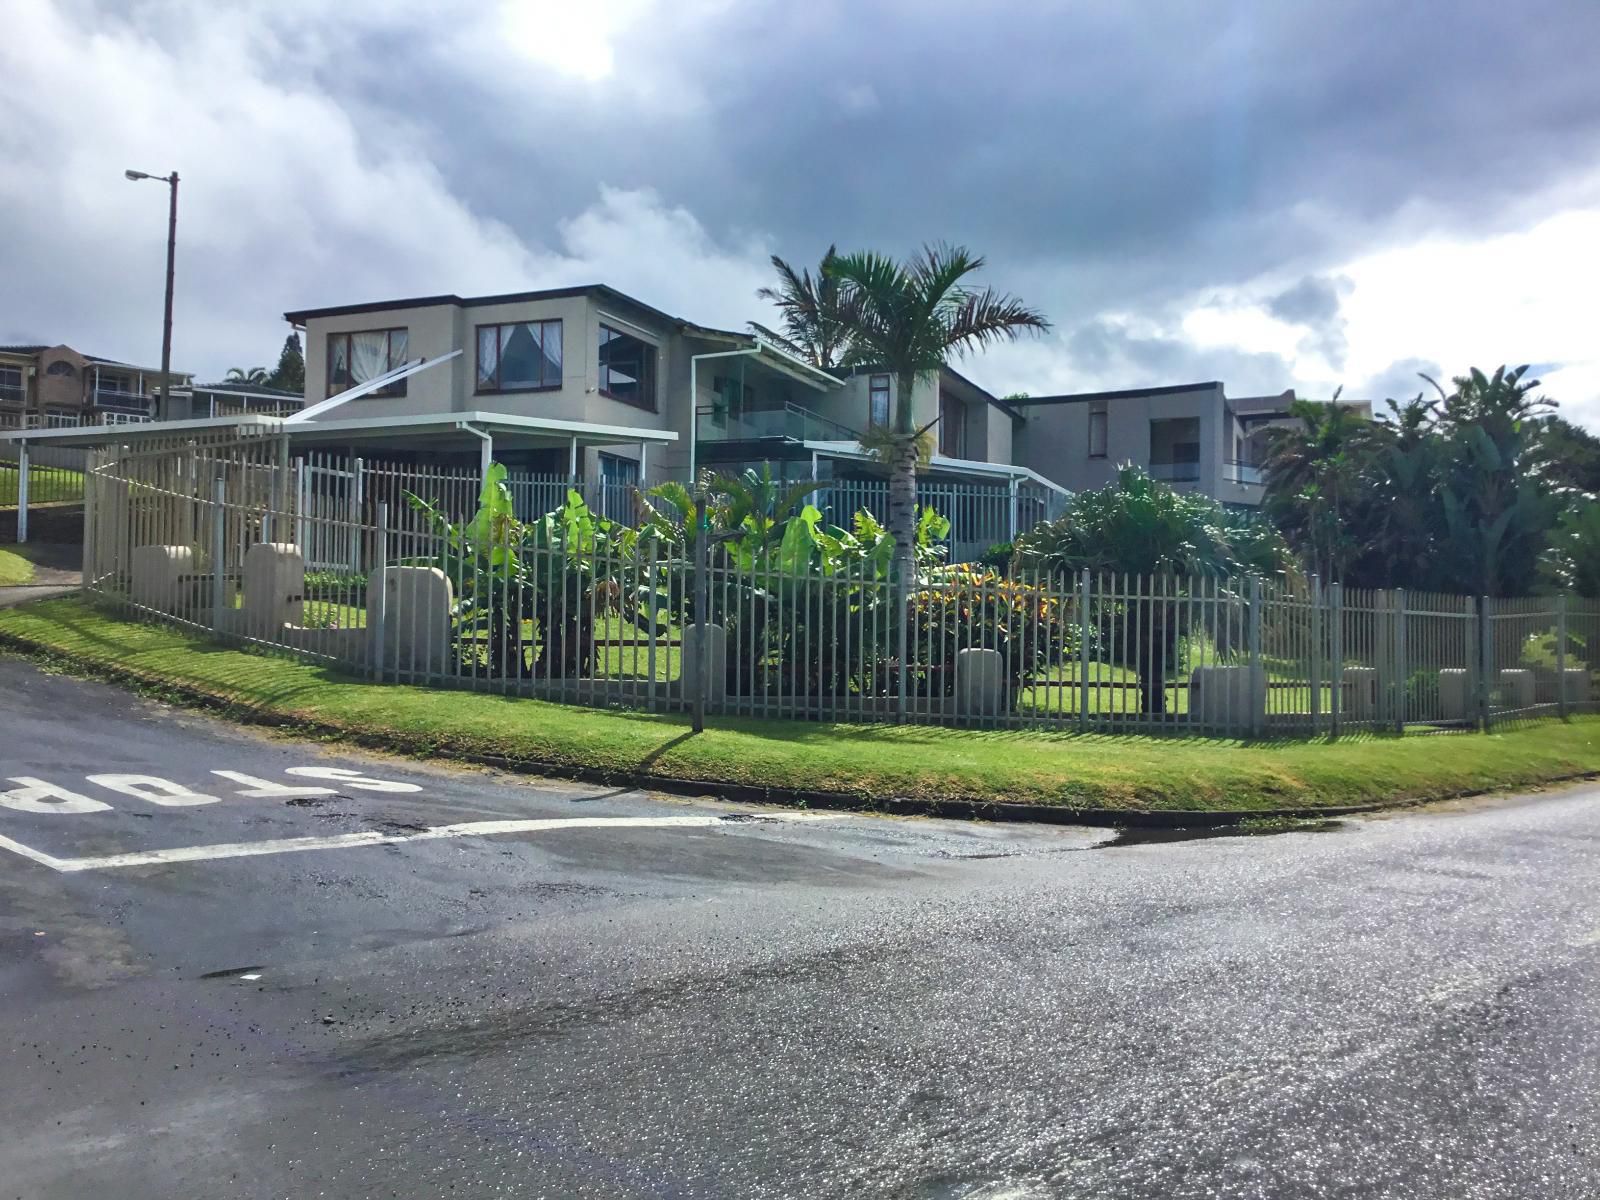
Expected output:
(1146, 837)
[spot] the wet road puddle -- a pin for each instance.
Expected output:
(1148, 837)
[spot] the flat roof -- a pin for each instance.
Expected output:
(301, 316)
(1123, 394)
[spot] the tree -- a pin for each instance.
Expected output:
(1572, 563)
(254, 376)
(290, 375)
(1498, 506)
(1137, 526)
(815, 326)
(1313, 474)
(907, 320)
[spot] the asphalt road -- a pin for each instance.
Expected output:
(346, 992)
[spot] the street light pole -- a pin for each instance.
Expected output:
(171, 181)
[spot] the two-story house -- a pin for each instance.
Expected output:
(592, 384)
(48, 387)
(1191, 435)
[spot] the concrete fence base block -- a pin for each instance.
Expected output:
(1360, 699)
(1227, 698)
(408, 619)
(1455, 694)
(1517, 688)
(716, 661)
(980, 682)
(1577, 685)
(274, 587)
(158, 574)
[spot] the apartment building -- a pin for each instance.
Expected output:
(56, 386)
(1191, 435)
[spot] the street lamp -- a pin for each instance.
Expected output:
(172, 241)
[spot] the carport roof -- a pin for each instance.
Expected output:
(427, 425)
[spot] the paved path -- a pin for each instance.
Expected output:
(234, 966)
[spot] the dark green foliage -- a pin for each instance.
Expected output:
(290, 374)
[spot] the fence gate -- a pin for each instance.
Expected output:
(329, 515)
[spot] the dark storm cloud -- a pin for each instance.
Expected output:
(1103, 350)
(1184, 145)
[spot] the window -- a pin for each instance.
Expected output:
(733, 398)
(60, 367)
(1099, 421)
(354, 358)
(619, 477)
(952, 426)
(524, 357)
(627, 368)
(11, 383)
(878, 400)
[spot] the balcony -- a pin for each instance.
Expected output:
(789, 421)
(1175, 472)
(116, 400)
(12, 393)
(1246, 473)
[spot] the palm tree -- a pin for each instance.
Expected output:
(1313, 474)
(814, 326)
(907, 320)
(255, 376)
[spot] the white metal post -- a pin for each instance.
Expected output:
(219, 497)
(1401, 670)
(572, 460)
(1011, 529)
(22, 491)
(1257, 668)
(485, 456)
(1561, 655)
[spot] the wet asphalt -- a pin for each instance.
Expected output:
(755, 1007)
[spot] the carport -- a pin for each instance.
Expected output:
(487, 433)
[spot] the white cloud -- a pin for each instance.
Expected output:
(286, 201)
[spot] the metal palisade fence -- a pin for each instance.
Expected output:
(551, 599)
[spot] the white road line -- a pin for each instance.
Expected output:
(38, 856)
(179, 854)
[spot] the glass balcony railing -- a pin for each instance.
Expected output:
(790, 421)
(12, 393)
(120, 401)
(1250, 474)
(1175, 472)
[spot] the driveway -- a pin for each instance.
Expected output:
(57, 571)
(240, 966)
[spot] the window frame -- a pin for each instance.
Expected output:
(1101, 409)
(650, 402)
(478, 388)
(957, 432)
(874, 388)
(397, 388)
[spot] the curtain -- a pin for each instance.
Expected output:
(369, 356)
(488, 356)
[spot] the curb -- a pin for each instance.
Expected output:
(954, 808)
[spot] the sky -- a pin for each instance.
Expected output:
(1270, 194)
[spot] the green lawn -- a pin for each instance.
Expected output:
(46, 485)
(872, 761)
(14, 566)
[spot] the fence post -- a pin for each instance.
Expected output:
(381, 559)
(1561, 655)
(1336, 655)
(22, 491)
(1401, 670)
(90, 550)
(701, 615)
(1315, 672)
(1083, 651)
(219, 599)
(1257, 668)
(1485, 659)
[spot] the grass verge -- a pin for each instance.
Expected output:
(14, 567)
(872, 764)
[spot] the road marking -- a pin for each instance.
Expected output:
(38, 796)
(265, 789)
(342, 841)
(354, 779)
(154, 789)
